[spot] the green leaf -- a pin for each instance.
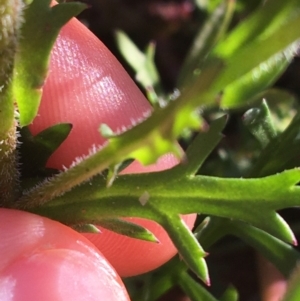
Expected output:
(258, 51)
(282, 255)
(201, 147)
(228, 198)
(143, 65)
(260, 123)
(245, 90)
(213, 196)
(130, 51)
(269, 16)
(194, 290)
(38, 33)
(86, 228)
(159, 284)
(281, 153)
(145, 142)
(106, 131)
(231, 294)
(191, 251)
(127, 228)
(208, 35)
(41, 147)
(282, 105)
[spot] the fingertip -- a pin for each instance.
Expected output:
(61, 275)
(41, 259)
(24, 233)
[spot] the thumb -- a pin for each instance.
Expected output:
(41, 259)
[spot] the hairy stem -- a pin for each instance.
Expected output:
(10, 20)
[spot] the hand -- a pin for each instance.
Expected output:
(87, 86)
(42, 259)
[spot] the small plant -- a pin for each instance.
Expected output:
(71, 163)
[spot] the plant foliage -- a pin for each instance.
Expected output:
(228, 67)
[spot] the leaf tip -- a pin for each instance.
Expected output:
(87, 228)
(106, 131)
(294, 242)
(207, 281)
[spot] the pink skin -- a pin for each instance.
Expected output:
(87, 86)
(272, 282)
(41, 259)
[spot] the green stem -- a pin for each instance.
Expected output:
(10, 16)
(9, 180)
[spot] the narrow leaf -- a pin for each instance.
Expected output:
(143, 65)
(268, 14)
(86, 228)
(209, 34)
(127, 228)
(129, 50)
(191, 251)
(194, 290)
(282, 255)
(231, 294)
(260, 123)
(38, 33)
(244, 90)
(201, 147)
(247, 58)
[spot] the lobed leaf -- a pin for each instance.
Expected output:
(254, 201)
(213, 196)
(145, 142)
(157, 135)
(37, 36)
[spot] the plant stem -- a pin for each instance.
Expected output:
(9, 174)
(10, 20)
